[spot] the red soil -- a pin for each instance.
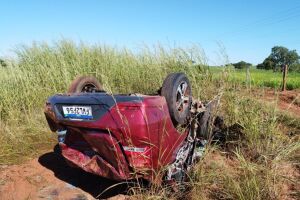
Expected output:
(48, 177)
(286, 101)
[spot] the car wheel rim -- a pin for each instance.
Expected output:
(182, 97)
(88, 88)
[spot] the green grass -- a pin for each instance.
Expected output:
(260, 78)
(250, 169)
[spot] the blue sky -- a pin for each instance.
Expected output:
(247, 29)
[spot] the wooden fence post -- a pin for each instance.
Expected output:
(248, 78)
(284, 73)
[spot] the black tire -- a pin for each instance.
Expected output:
(177, 90)
(84, 84)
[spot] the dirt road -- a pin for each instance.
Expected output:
(49, 177)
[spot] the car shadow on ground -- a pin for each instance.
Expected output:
(88, 182)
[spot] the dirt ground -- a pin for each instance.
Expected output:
(49, 177)
(286, 101)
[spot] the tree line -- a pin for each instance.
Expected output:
(281, 56)
(278, 57)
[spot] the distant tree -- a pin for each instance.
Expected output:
(283, 56)
(2, 63)
(260, 66)
(280, 56)
(268, 64)
(241, 65)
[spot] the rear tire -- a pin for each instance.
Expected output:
(84, 84)
(176, 89)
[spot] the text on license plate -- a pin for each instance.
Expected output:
(78, 112)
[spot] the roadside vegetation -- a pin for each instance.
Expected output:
(260, 160)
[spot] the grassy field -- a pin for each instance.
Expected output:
(260, 78)
(260, 163)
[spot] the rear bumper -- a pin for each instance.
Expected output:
(96, 152)
(94, 164)
(100, 153)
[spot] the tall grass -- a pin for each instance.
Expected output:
(248, 167)
(258, 161)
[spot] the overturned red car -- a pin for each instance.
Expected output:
(122, 137)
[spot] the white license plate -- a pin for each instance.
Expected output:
(77, 112)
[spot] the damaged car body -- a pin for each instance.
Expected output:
(123, 137)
